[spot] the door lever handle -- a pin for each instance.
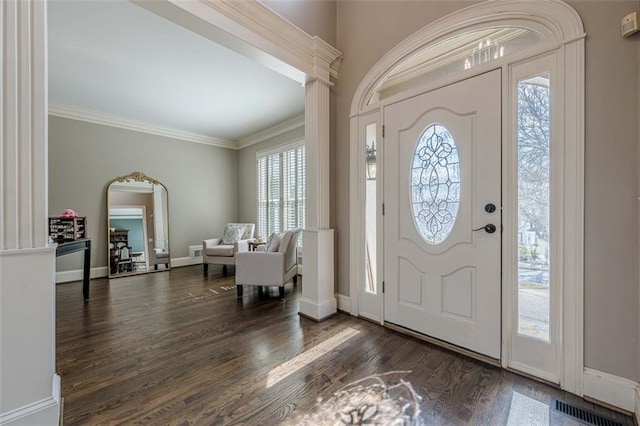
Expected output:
(489, 229)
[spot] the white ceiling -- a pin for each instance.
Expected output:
(117, 58)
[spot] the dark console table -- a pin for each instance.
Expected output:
(83, 244)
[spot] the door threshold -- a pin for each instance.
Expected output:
(532, 377)
(441, 343)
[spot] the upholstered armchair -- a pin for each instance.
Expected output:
(217, 251)
(269, 268)
(157, 257)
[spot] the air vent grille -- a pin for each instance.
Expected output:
(195, 251)
(586, 416)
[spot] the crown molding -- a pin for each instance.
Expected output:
(286, 126)
(101, 118)
(97, 117)
(330, 59)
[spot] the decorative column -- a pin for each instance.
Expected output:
(318, 295)
(29, 387)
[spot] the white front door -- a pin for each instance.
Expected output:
(442, 223)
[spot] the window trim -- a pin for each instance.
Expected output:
(280, 148)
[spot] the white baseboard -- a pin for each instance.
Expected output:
(318, 311)
(57, 388)
(185, 261)
(76, 274)
(103, 271)
(613, 390)
(344, 303)
(43, 412)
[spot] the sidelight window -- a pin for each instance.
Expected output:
(371, 166)
(534, 179)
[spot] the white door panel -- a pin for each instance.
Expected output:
(442, 279)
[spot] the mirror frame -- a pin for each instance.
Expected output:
(137, 177)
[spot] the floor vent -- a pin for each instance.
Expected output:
(586, 416)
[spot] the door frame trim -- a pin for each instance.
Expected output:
(564, 35)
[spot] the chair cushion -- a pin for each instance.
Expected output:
(286, 239)
(233, 233)
(221, 250)
(248, 232)
(273, 243)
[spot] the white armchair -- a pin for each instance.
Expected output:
(265, 268)
(157, 257)
(216, 253)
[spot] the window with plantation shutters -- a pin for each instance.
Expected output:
(281, 190)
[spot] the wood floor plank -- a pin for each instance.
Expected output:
(178, 348)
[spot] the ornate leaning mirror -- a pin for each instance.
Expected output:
(137, 225)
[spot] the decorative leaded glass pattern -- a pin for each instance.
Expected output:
(435, 184)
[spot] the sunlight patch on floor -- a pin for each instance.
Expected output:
(527, 411)
(307, 357)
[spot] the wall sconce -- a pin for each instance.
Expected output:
(370, 161)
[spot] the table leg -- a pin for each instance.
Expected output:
(86, 271)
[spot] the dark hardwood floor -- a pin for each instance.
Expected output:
(178, 348)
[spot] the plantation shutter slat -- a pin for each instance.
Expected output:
(274, 178)
(289, 190)
(262, 196)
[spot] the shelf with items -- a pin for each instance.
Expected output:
(119, 236)
(66, 229)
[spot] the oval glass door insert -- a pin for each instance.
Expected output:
(435, 184)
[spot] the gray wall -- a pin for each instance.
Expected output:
(612, 314)
(84, 158)
(316, 17)
(247, 180)
(611, 196)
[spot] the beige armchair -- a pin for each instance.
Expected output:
(216, 253)
(157, 257)
(266, 268)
